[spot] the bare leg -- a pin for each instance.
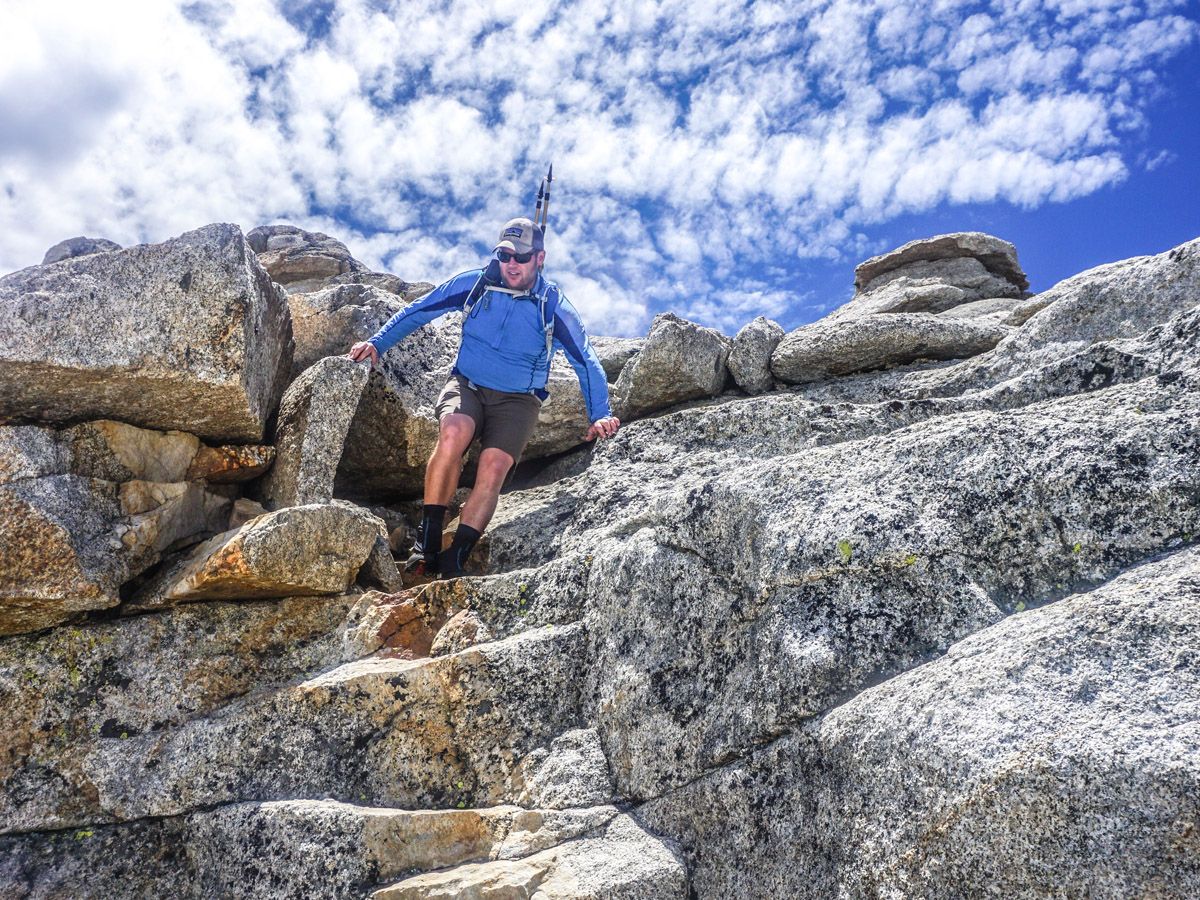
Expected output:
(489, 478)
(445, 465)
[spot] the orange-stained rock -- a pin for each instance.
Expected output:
(230, 463)
(298, 551)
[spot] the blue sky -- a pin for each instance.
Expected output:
(717, 160)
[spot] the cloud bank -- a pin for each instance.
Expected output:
(703, 151)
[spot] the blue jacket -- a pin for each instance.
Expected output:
(503, 341)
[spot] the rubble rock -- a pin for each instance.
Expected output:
(313, 420)
(679, 361)
(296, 551)
(189, 334)
(750, 355)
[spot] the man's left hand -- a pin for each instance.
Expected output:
(603, 428)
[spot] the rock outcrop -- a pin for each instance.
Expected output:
(928, 630)
(189, 334)
(996, 257)
(78, 246)
(948, 297)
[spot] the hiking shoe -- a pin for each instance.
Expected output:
(448, 566)
(416, 566)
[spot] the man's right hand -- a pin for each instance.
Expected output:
(364, 350)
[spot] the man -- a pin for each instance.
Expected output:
(511, 328)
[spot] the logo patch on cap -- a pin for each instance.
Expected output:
(515, 232)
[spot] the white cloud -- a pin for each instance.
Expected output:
(685, 134)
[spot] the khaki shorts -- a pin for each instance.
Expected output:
(504, 421)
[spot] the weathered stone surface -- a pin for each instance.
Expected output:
(292, 848)
(230, 464)
(1056, 750)
(31, 451)
(189, 334)
(296, 551)
(563, 419)
(78, 246)
(572, 771)
(422, 733)
(462, 630)
(615, 353)
(59, 551)
(69, 691)
(996, 309)
(68, 543)
(379, 569)
(244, 509)
(327, 849)
(314, 417)
(679, 361)
(750, 355)
(623, 861)
(825, 349)
(329, 321)
(997, 256)
(933, 287)
(1119, 300)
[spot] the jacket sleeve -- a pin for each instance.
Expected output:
(570, 337)
(443, 299)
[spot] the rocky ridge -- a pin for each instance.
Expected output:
(915, 626)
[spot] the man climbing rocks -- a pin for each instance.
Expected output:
(513, 320)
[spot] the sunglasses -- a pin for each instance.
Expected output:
(504, 256)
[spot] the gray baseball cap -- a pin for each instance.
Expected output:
(520, 236)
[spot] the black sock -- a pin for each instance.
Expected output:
(430, 537)
(465, 539)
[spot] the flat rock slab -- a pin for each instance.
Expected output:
(460, 729)
(66, 690)
(998, 256)
(297, 551)
(316, 849)
(189, 334)
(1057, 748)
(832, 348)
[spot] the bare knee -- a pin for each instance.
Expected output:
(454, 435)
(493, 468)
